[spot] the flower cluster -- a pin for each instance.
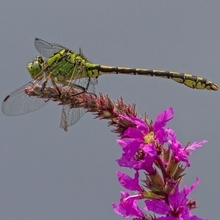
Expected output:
(153, 149)
(147, 147)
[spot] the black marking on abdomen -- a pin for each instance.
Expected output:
(125, 70)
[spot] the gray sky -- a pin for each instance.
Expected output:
(47, 173)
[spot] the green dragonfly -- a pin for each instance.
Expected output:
(62, 67)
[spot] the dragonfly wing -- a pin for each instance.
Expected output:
(19, 103)
(92, 84)
(70, 116)
(88, 83)
(45, 48)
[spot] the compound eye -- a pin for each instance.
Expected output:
(34, 68)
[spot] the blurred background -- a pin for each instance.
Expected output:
(46, 173)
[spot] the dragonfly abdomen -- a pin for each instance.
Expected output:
(189, 80)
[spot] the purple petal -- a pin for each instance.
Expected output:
(128, 145)
(127, 208)
(133, 133)
(140, 124)
(158, 206)
(129, 183)
(163, 118)
(196, 145)
(192, 187)
(177, 199)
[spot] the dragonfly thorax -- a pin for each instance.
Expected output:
(36, 66)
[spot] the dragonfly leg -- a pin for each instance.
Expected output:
(75, 73)
(43, 85)
(87, 87)
(56, 87)
(45, 82)
(84, 89)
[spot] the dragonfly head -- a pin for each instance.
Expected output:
(36, 66)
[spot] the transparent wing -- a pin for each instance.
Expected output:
(27, 98)
(87, 83)
(19, 103)
(45, 48)
(70, 116)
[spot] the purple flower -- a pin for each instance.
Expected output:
(142, 128)
(180, 153)
(129, 183)
(161, 121)
(139, 143)
(127, 207)
(177, 206)
(155, 149)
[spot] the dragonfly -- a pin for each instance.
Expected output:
(61, 67)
